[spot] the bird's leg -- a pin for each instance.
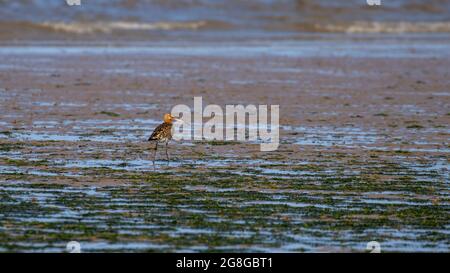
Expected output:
(167, 153)
(154, 153)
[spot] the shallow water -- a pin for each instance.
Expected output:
(291, 49)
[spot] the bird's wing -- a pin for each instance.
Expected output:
(160, 131)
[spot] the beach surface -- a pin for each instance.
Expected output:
(364, 137)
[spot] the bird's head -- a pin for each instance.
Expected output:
(168, 118)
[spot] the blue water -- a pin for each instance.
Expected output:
(253, 13)
(303, 49)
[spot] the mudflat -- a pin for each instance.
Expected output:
(364, 152)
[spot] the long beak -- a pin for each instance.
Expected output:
(177, 120)
(181, 121)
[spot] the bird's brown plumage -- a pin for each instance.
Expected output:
(162, 133)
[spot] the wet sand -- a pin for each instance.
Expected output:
(364, 151)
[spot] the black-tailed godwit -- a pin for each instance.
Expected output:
(163, 134)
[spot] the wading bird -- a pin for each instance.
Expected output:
(163, 134)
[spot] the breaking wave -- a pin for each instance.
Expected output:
(382, 27)
(342, 27)
(108, 27)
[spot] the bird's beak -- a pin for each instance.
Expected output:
(174, 119)
(177, 120)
